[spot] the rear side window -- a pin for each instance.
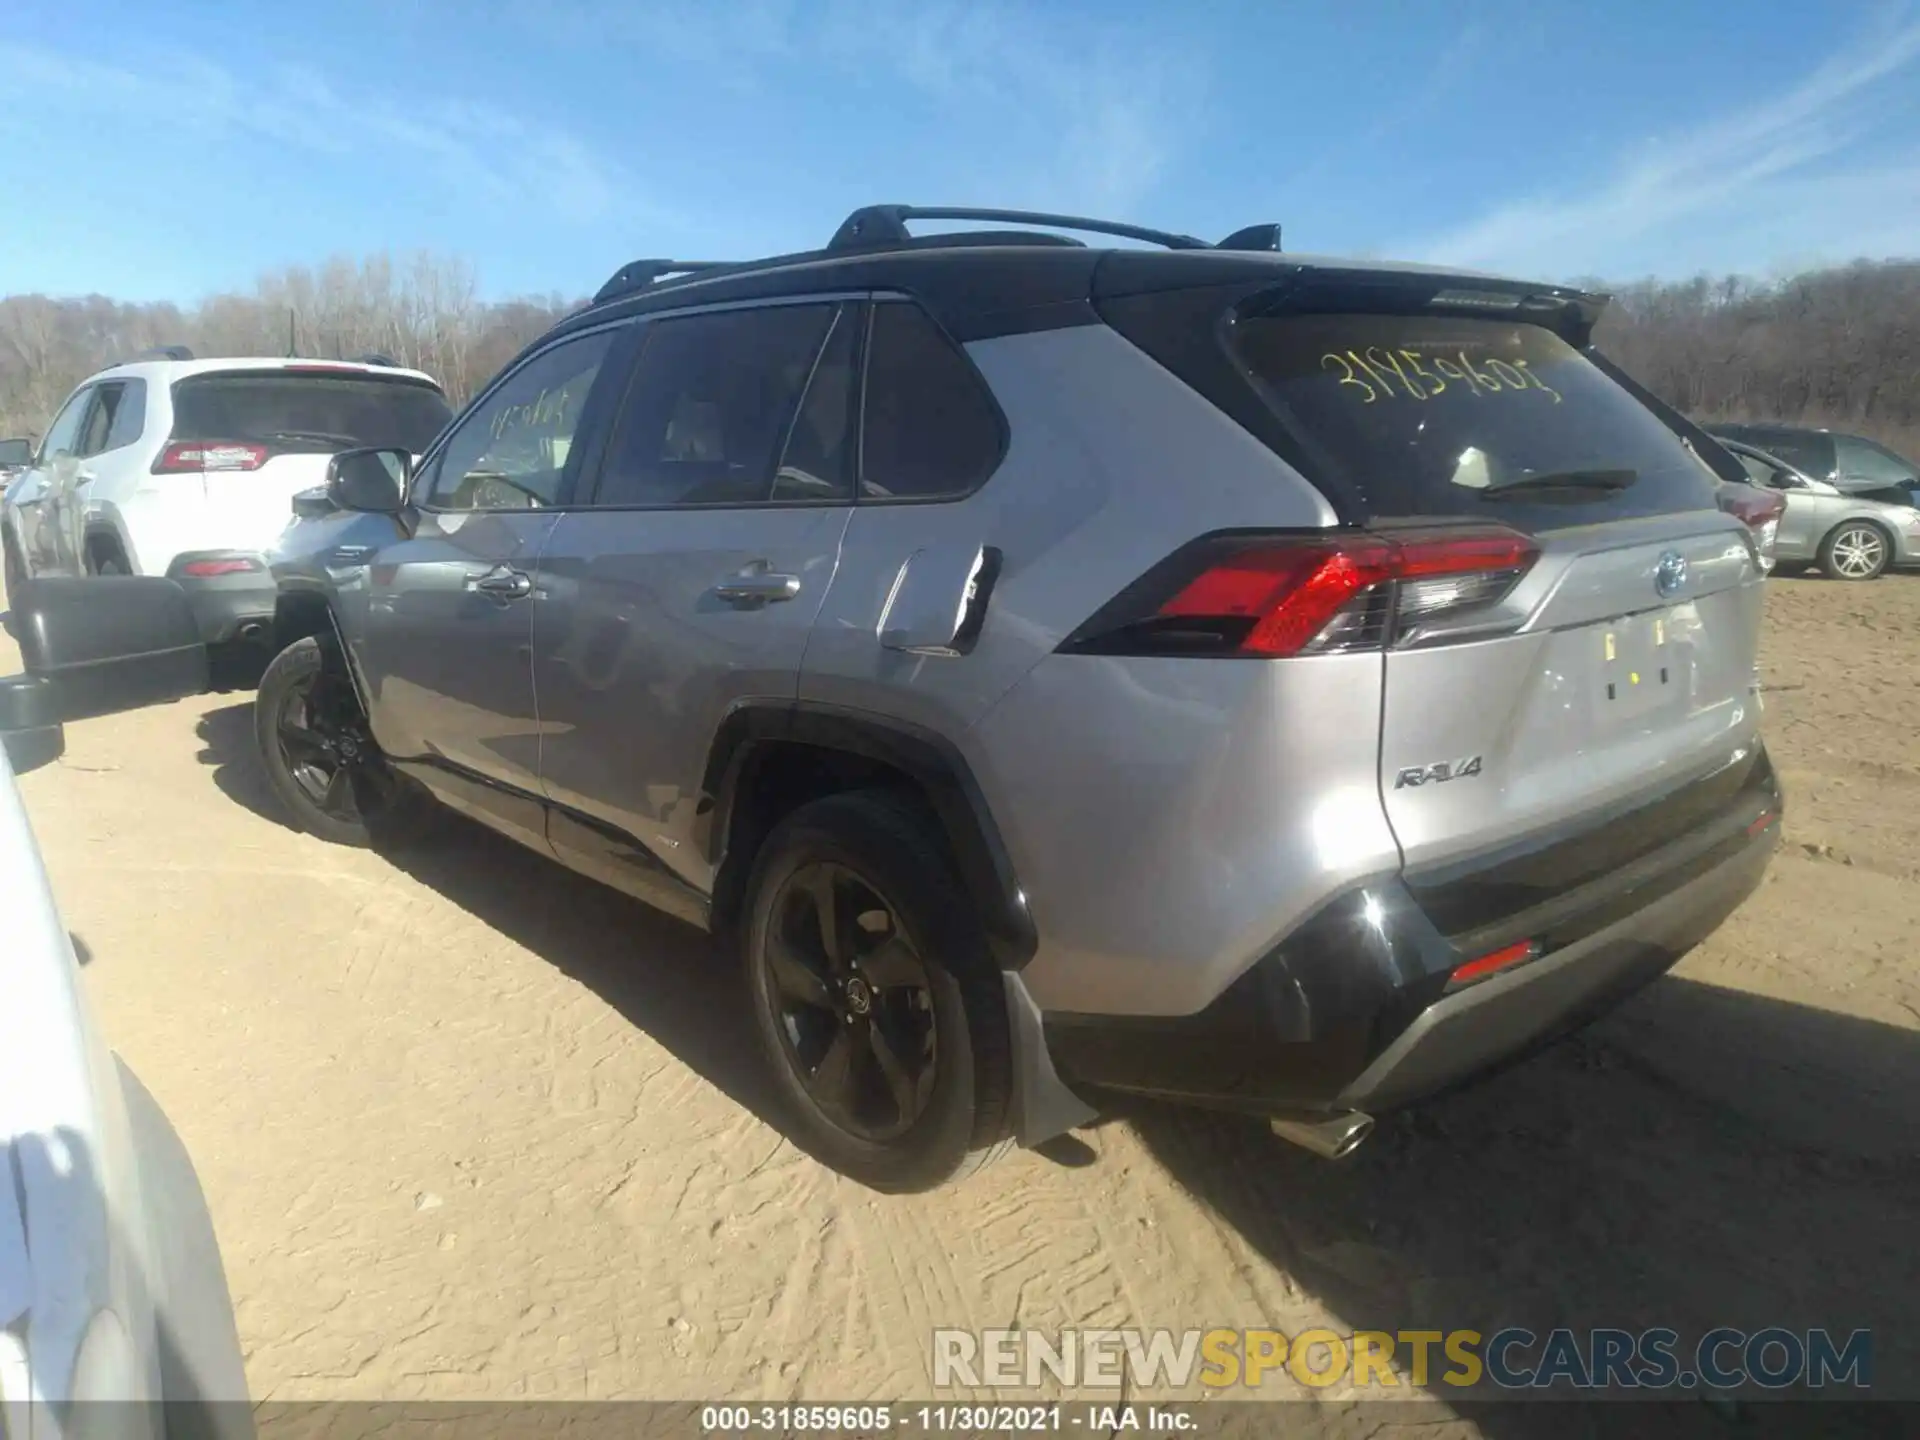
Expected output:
(16, 452)
(933, 431)
(1432, 416)
(313, 411)
(712, 402)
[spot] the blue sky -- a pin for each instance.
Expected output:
(165, 149)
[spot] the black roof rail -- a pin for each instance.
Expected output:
(166, 352)
(1253, 237)
(637, 274)
(882, 226)
(376, 358)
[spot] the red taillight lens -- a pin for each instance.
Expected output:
(207, 569)
(1275, 596)
(1756, 509)
(185, 455)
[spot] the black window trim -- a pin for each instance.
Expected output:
(1001, 424)
(585, 496)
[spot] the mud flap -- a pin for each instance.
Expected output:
(1043, 1106)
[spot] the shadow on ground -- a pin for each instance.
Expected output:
(1704, 1157)
(661, 975)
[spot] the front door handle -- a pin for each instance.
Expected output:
(505, 584)
(757, 585)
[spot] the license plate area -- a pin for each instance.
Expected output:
(1644, 665)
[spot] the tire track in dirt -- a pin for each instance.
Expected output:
(472, 1128)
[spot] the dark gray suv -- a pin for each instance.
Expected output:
(1198, 671)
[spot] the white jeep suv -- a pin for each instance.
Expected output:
(173, 466)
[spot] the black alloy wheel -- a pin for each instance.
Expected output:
(854, 1002)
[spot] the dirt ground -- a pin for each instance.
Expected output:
(474, 1128)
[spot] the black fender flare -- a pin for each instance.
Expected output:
(926, 758)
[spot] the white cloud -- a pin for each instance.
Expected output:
(475, 149)
(1744, 191)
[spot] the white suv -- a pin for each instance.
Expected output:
(170, 465)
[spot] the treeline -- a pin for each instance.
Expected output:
(421, 311)
(1836, 347)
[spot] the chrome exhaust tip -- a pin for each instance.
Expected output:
(1329, 1138)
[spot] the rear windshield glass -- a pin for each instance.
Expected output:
(15, 452)
(291, 411)
(1430, 416)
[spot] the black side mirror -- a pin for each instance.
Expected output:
(93, 648)
(374, 481)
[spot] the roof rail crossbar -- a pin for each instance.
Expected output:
(1253, 237)
(880, 226)
(166, 352)
(638, 274)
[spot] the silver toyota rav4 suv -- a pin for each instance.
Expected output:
(1198, 672)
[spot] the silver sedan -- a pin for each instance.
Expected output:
(1851, 531)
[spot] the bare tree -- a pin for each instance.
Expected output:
(1838, 347)
(422, 311)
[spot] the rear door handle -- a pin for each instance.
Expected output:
(757, 585)
(505, 584)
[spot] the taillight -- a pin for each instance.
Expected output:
(184, 455)
(1271, 596)
(1761, 511)
(208, 569)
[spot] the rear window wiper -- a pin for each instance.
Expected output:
(324, 437)
(1568, 482)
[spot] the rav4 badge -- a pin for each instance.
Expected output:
(1440, 770)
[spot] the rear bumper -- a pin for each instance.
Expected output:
(1357, 1010)
(227, 606)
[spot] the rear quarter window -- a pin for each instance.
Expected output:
(1428, 416)
(933, 430)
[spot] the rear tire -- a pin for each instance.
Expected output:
(889, 1045)
(1856, 550)
(319, 756)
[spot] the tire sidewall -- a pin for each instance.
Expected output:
(923, 901)
(299, 663)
